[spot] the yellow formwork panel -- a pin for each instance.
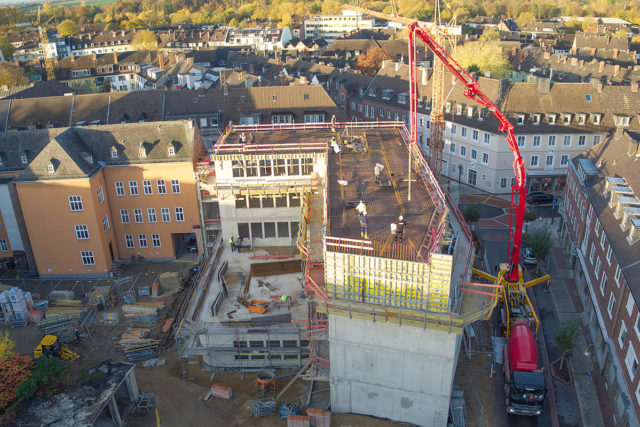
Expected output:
(389, 282)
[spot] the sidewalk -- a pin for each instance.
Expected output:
(568, 306)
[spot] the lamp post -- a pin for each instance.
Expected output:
(588, 352)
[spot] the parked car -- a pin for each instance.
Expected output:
(527, 257)
(536, 197)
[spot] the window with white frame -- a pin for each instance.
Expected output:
(175, 186)
(564, 160)
(596, 227)
(133, 188)
(179, 215)
(603, 281)
(549, 160)
(100, 195)
(454, 129)
(128, 241)
(485, 158)
(592, 253)
(630, 304)
(609, 253)
(463, 151)
(119, 188)
(105, 222)
(622, 335)
(151, 215)
(146, 187)
(155, 240)
(582, 139)
(162, 187)
(552, 141)
(463, 131)
(166, 216)
(611, 305)
(452, 147)
(503, 182)
(618, 275)
(3, 245)
(596, 139)
(566, 141)
(536, 140)
(598, 267)
(521, 140)
(474, 135)
(171, 150)
(124, 216)
(87, 258)
(631, 360)
(137, 216)
(75, 203)
(474, 154)
(534, 161)
(487, 138)
(82, 232)
(142, 240)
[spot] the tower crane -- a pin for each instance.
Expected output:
(524, 381)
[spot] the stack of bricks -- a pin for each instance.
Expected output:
(298, 421)
(319, 418)
(221, 391)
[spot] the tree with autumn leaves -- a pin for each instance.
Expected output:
(370, 62)
(14, 370)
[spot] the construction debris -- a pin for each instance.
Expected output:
(136, 345)
(298, 421)
(263, 407)
(221, 391)
(110, 319)
(167, 325)
(156, 361)
(60, 326)
(146, 308)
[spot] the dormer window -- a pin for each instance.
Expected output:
(171, 150)
(114, 152)
(582, 119)
(50, 168)
(24, 158)
(447, 107)
(622, 120)
(552, 119)
(536, 119)
(480, 115)
(459, 109)
(567, 119)
(372, 92)
(142, 152)
(402, 98)
(520, 119)
(387, 93)
(596, 119)
(470, 112)
(361, 92)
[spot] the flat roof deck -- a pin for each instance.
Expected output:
(284, 141)
(231, 311)
(384, 203)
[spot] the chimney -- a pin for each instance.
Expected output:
(544, 86)
(615, 53)
(581, 63)
(600, 87)
(226, 90)
(601, 67)
(424, 77)
(574, 61)
(616, 70)
(73, 58)
(593, 52)
(634, 87)
(172, 60)
(114, 33)
(115, 57)
(94, 56)
(547, 55)
(514, 50)
(161, 60)
(397, 66)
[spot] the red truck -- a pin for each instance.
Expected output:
(524, 384)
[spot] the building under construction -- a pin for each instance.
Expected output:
(378, 312)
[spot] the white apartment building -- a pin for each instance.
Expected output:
(331, 27)
(258, 38)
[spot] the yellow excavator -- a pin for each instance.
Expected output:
(50, 346)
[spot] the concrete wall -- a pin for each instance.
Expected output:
(389, 371)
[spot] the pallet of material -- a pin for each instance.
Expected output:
(66, 302)
(298, 421)
(221, 391)
(167, 294)
(319, 418)
(169, 280)
(138, 308)
(136, 333)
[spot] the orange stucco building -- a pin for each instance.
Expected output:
(95, 194)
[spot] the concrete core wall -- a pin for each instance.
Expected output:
(398, 372)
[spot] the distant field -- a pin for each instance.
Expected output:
(77, 2)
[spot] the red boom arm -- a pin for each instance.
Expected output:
(473, 92)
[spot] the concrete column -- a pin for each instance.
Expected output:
(132, 387)
(115, 413)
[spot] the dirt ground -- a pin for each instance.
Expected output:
(178, 399)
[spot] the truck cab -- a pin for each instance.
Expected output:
(526, 393)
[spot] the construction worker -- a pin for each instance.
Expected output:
(252, 138)
(76, 332)
(333, 123)
(399, 229)
(232, 243)
(243, 138)
(361, 207)
(376, 171)
(364, 225)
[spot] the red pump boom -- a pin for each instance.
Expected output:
(473, 92)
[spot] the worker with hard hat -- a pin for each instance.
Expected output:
(364, 225)
(400, 225)
(361, 207)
